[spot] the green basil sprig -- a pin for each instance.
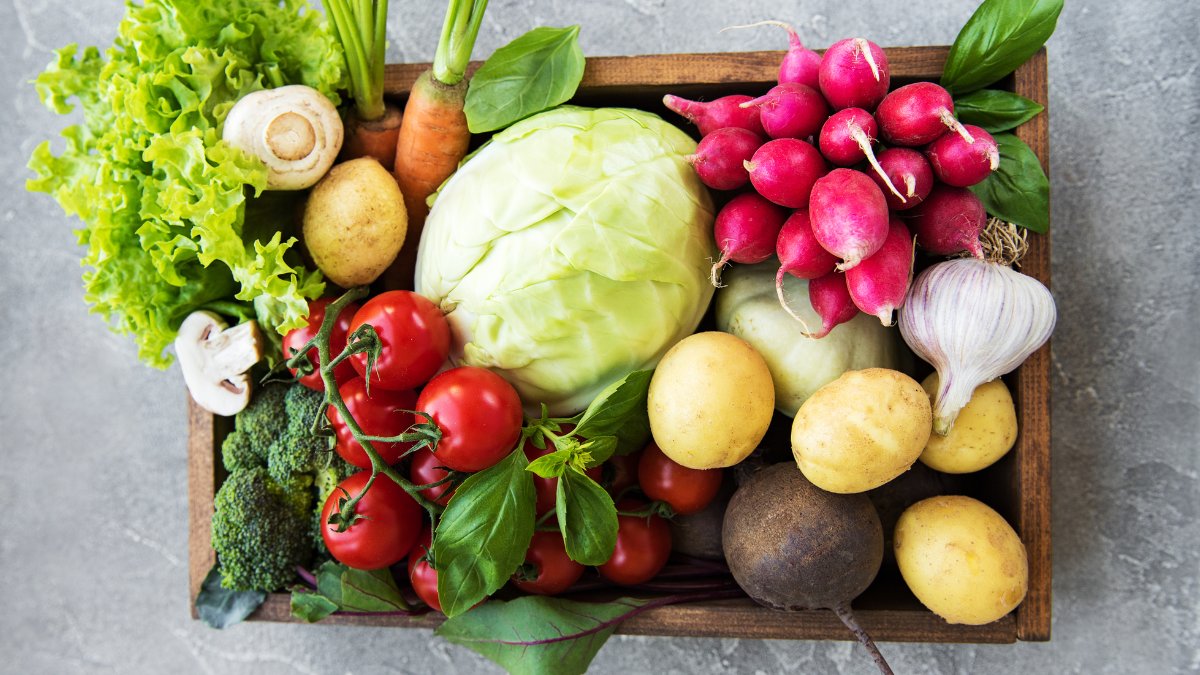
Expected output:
(999, 36)
(534, 72)
(620, 411)
(995, 110)
(1017, 191)
(587, 518)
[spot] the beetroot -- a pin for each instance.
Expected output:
(745, 231)
(917, 114)
(784, 171)
(854, 73)
(716, 114)
(791, 110)
(908, 171)
(949, 221)
(849, 215)
(961, 164)
(846, 139)
(800, 255)
(721, 156)
(878, 284)
(830, 299)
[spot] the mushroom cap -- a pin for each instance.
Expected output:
(295, 130)
(214, 359)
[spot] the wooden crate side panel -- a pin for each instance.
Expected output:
(202, 487)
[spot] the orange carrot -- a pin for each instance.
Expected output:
(372, 138)
(361, 27)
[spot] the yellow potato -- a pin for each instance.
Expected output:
(355, 222)
(983, 432)
(711, 400)
(861, 430)
(961, 559)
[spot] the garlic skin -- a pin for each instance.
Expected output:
(973, 321)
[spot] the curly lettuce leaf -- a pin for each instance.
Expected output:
(164, 202)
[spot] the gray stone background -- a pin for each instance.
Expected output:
(93, 485)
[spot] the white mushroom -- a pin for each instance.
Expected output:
(294, 130)
(215, 358)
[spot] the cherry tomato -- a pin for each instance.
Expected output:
(425, 470)
(547, 488)
(479, 414)
(414, 338)
(643, 546)
(556, 571)
(297, 337)
(686, 490)
(424, 579)
(620, 473)
(388, 525)
(380, 414)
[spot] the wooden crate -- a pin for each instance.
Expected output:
(1018, 486)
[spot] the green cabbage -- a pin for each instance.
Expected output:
(163, 200)
(570, 250)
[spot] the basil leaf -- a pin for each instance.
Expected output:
(534, 72)
(1017, 191)
(587, 518)
(995, 110)
(484, 533)
(551, 465)
(371, 591)
(310, 606)
(536, 635)
(600, 449)
(999, 36)
(620, 411)
(220, 607)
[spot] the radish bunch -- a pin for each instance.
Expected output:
(818, 190)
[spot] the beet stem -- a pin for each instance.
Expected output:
(862, 45)
(948, 119)
(843, 612)
(783, 302)
(864, 143)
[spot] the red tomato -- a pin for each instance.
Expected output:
(414, 335)
(379, 414)
(296, 338)
(620, 473)
(686, 490)
(479, 414)
(424, 579)
(643, 546)
(556, 571)
(547, 488)
(425, 470)
(385, 531)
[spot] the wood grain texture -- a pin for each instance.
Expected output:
(1024, 480)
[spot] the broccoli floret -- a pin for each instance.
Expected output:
(275, 431)
(261, 529)
(325, 480)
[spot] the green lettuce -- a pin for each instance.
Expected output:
(163, 200)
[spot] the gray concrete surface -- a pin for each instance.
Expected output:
(93, 550)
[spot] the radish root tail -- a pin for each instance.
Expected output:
(862, 45)
(792, 36)
(910, 185)
(864, 143)
(948, 119)
(788, 308)
(843, 612)
(714, 275)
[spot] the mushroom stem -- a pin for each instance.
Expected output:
(233, 350)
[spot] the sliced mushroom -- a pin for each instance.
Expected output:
(215, 358)
(294, 130)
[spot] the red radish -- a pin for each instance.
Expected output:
(745, 231)
(830, 299)
(961, 164)
(790, 110)
(800, 255)
(854, 73)
(917, 114)
(716, 114)
(849, 216)
(846, 139)
(784, 171)
(800, 64)
(950, 220)
(878, 284)
(908, 170)
(721, 156)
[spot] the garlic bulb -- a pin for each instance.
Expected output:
(973, 321)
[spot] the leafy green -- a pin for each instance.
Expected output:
(536, 635)
(310, 606)
(162, 198)
(370, 591)
(534, 72)
(219, 607)
(620, 411)
(1018, 190)
(587, 518)
(999, 36)
(484, 533)
(995, 110)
